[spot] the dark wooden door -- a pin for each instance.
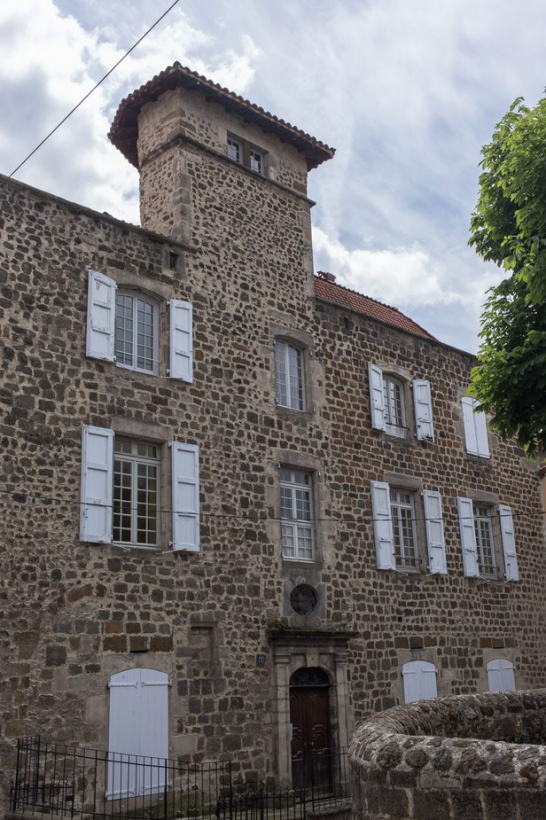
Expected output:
(310, 718)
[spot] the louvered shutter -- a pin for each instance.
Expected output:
(181, 340)
(468, 537)
(419, 681)
(480, 421)
(422, 402)
(434, 524)
(377, 399)
(471, 439)
(382, 525)
(508, 543)
(138, 733)
(475, 428)
(101, 316)
(500, 676)
(185, 478)
(97, 485)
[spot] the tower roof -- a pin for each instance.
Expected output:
(124, 131)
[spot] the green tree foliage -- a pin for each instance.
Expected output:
(509, 228)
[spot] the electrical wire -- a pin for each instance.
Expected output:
(22, 496)
(45, 139)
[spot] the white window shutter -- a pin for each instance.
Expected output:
(468, 537)
(382, 525)
(101, 316)
(181, 340)
(185, 489)
(508, 543)
(475, 428)
(419, 681)
(480, 421)
(97, 485)
(422, 402)
(500, 676)
(377, 399)
(434, 525)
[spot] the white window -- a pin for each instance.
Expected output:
(136, 493)
(123, 327)
(483, 527)
(475, 428)
(394, 406)
(120, 495)
(398, 517)
(136, 333)
(234, 150)
(480, 525)
(256, 161)
(389, 405)
(406, 554)
(289, 376)
(419, 681)
(138, 733)
(297, 534)
(500, 676)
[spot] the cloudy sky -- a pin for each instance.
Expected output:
(407, 91)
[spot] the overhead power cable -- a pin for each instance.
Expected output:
(45, 139)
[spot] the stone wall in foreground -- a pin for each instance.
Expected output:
(469, 757)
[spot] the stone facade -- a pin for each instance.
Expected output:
(472, 757)
(220, 621)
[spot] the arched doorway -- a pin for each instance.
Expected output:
(310, 719)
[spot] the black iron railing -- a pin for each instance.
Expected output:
(89, 784)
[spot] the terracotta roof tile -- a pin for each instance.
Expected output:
(368, 307)
(124, 131)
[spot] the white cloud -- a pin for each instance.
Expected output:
(406, 277)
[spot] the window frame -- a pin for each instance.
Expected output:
(293, 522)
(392, 384)
(288, 345)
(135, 460)
(484, 529)
(397, 507)
(137, 297)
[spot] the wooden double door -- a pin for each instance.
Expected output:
(310, 719)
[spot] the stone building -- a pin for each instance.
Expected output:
(241, 502)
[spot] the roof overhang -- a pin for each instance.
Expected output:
(124, 131)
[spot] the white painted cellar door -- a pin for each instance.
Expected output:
(138, 733)
(500, 676)
(419, 681)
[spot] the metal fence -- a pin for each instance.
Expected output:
(74, 782)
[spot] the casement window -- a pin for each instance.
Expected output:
(475, 428)
(123, 327)
(120, 491)
(289, 376)
(138, 733)
(406, 553)
(481, 527)
(234, 150)
(500, 676)
(244, 153)
(297, 533)
(389, 405)
(136, 493)
(398, 517)
(256, 161)
(136, 333)
(419, 681)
